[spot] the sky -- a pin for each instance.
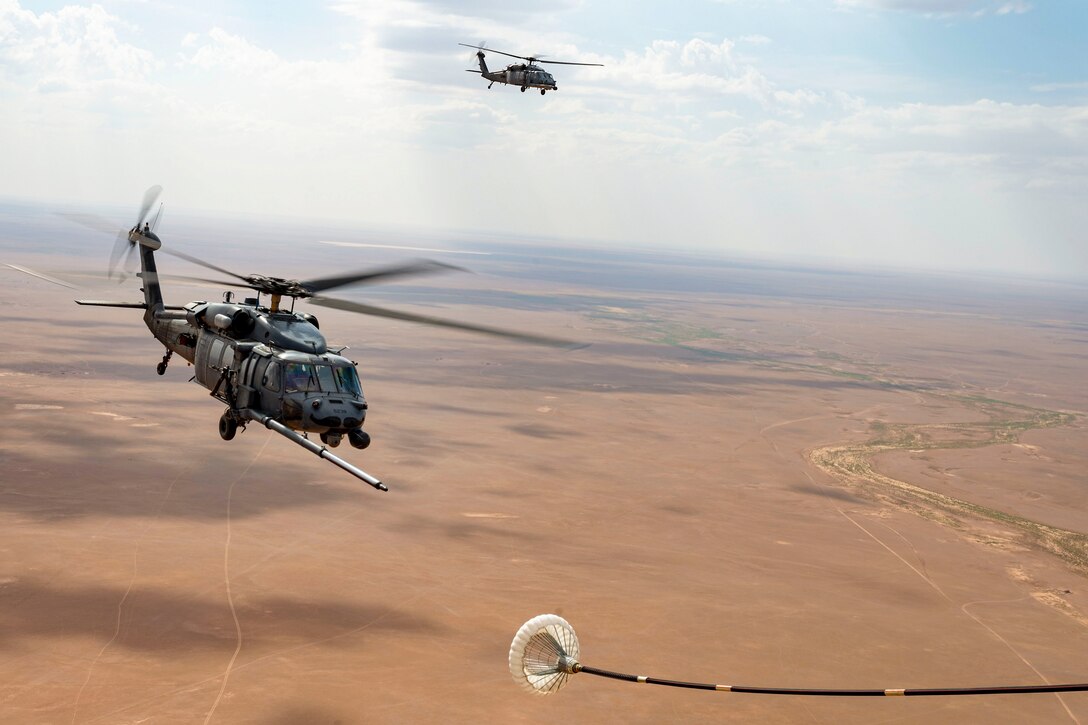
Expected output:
(932, 134)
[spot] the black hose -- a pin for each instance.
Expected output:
(892, 692)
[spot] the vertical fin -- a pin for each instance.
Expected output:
(149, 275)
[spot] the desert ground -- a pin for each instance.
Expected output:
(757, 475)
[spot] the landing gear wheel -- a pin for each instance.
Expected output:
(523, 89)
(542, 91)
(161, 368)
(228, 426)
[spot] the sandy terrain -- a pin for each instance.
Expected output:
(659, 489)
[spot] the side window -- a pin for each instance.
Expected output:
(272, 377)
(215, 353)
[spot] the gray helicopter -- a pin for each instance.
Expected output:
(527, 75)
(268, 364)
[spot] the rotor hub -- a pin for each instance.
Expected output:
(279, 286)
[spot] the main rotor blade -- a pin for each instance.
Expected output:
(91, 221)
(202, 263)
(422, 266)
(439, 322)
(205, 281)
(565, 62)
(149, 200)
(39, 275)
(492, 50)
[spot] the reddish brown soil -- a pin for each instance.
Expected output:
(657, 496)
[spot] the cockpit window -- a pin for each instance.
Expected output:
(348, 381)
(307, 378)
(300, 378)
(324, 374)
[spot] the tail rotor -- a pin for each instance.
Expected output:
(119, 253)
(120, 256)
(477, 57)
(150, 197)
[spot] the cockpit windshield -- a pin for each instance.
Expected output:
(348, 381)
(307, 378)
(300, 378)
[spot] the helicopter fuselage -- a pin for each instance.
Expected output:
(526, 76)
(276, 362)
(260, 362)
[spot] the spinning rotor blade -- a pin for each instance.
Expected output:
(207, 282)
(492, 50)
(39, 275)
(564, 62)
(118, 252)
(530, 58)
(126, 265)
(158, 218)
(321, 283)
(423, 266)
(97, 223)
(299, 289)
(202, 263)
(91, 221)
(339, 304)
(481, 46)
(150, 196)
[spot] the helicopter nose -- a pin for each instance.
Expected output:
(335, 414)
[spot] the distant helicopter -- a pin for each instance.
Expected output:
(269, 364)
(528, 75)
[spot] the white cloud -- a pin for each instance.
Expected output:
(69, 49)
(672, 138)
(1017, 6)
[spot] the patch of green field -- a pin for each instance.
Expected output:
(853, 465)
(999, 422)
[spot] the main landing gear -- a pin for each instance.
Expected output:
(228, 422)
(161, 367)
(228, 425)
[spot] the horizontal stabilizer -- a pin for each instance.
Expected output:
(130, 305)
(107, 303)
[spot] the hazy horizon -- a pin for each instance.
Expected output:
(187, 227)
